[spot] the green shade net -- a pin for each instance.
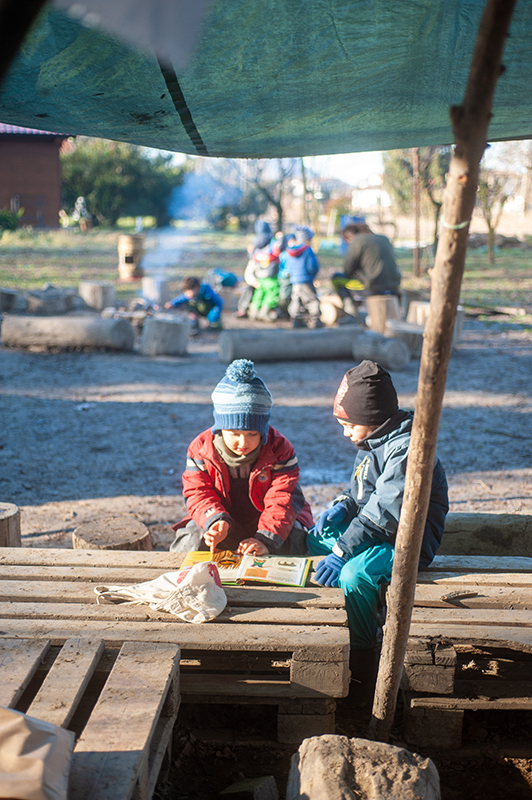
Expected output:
(274, 78)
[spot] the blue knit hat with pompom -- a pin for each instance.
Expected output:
(241, 400)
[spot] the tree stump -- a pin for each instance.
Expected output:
(164, 335)
(418, 312)
(156, 289)
(89, 331)
(9, 525)
(97, 295)
(112, 533)
(407, 332)
(390, 353)
(381, 308)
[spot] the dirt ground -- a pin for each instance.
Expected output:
(87, 434)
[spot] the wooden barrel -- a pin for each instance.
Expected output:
(112, 533)
(130, 252)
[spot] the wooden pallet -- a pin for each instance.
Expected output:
(490, 609)
(125, 731)
(286, 646)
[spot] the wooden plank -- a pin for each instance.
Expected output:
(329, 679)
(50, 557)
(482, 694)
(330, 643)
(96, 575)
(481, 563)
(19, 659)
(429, 595)
(476, 578)
(480, 635)
(139, 613)
(112, 751)
(46, 591)
(63, 687)
(160, 745)
(511, 618)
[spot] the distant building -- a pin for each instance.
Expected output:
(370, 195)
(30, 174)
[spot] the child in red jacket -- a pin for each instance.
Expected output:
(241, 479)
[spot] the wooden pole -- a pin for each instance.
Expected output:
(470, 127)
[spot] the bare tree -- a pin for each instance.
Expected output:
(493, 192)
(270, 176)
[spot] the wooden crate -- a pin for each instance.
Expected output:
(471, 601)
(270, 645)
(123, 707)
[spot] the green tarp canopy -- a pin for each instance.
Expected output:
(273, 78)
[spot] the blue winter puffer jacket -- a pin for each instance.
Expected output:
(376, 494)
(301, 263)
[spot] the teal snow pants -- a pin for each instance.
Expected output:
(370, 565)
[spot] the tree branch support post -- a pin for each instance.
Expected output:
(470, 123)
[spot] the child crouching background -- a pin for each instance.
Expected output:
(241, 479)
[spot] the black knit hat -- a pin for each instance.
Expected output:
(366, 395)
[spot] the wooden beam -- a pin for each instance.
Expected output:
(470, 123)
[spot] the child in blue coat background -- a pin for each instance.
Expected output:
(301, 264)
(200, 300)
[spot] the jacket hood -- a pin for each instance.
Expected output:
(400, 422)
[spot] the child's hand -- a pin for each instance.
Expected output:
(168, 304)
(252, 547)
(216, 533)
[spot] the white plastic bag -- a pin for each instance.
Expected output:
(34, 757)
(193, 594)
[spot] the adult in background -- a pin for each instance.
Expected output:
(369, 266)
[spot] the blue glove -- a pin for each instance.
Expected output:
(328, 570)
(333, 515)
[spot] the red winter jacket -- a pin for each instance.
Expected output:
(273, 487)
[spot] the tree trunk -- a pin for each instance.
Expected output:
(470, 123)
(491, 236)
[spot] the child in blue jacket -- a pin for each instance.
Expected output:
(357, 533)
(200, 300)
(302, 265)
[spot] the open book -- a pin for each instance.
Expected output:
(236, 569)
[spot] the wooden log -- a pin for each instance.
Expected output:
(9, 525)
(407, 332)
(418, 314)
(156, 289)
(112, 533)
(392, 354)
(381, 308)
(97, 295)
(470, 123)
(65, 332)
(487, 534)
(283, 345)
(164, 335)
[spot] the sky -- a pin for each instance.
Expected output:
(356, 168)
